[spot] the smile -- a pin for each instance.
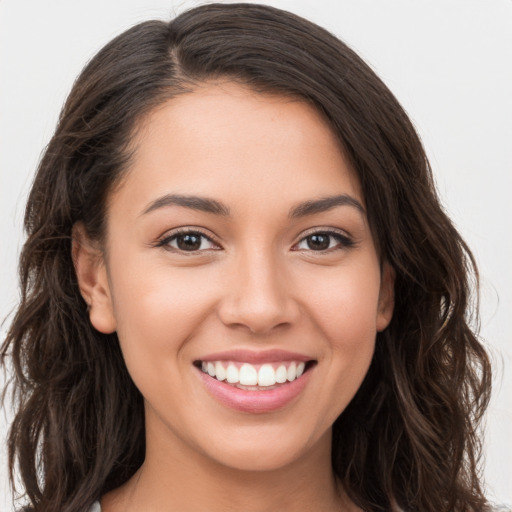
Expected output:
(255, 387)
(254, 376)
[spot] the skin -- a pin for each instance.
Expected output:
(256, 285)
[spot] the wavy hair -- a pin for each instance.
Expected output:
(410, 437)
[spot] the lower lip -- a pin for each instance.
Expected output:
(255, 401)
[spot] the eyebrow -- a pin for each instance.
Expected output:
(324, 204)
(202, 204)
(205, 204)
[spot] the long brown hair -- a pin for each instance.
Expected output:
(409, 438)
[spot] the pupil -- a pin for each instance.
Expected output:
(189, 242)
(318, 242)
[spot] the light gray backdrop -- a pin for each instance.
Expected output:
(449, 62)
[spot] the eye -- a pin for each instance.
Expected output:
(188, 241)
(324, 241)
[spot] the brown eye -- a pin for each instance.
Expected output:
(189, 241)
(324, 241)
(318, 242)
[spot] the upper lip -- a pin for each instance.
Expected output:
(256, 357)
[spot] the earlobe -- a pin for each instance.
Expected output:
(386, 297)
(92, 280)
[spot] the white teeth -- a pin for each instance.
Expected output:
(248, 375)
(232, 374)
(291, 373)
(281, 374)
(266, 375)
(220, 373)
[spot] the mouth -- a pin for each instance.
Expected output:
(255, 377)
(249, 381)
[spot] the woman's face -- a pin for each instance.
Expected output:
(238, 244)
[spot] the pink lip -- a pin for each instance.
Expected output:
(254, 401)
(253, 357)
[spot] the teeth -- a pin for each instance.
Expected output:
(291, 373)
(247, 374)
(232, 375)
(281, 374)
(220, 373)
(266, 376)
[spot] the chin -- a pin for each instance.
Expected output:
(255, 460)
(265, 452)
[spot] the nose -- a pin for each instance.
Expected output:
(258, 296)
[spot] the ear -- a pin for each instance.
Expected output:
(386, 297)
(91, 273)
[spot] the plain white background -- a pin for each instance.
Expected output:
(449, 62)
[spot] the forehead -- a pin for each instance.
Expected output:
(224, 140)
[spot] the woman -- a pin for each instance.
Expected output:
(240, 291)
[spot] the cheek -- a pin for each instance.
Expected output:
(344, 303)
(344, 309)
(157, 310)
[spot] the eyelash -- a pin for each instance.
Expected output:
(343, 241)
(165, 242)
